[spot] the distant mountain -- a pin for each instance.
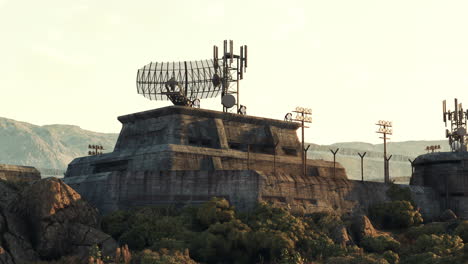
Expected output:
(47, 147)
(50, 148)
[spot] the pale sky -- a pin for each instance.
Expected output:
(352, 62)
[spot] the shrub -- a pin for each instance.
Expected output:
(423, 258)
(163, 257)
(398, 193)
(135, 238)
(396, 214)
(217, 210)
(115, 223)
(427, 229)
(222, 242)
(379, 244)
(462, 231)
(442, 245)
(357, 259)
(391, 257)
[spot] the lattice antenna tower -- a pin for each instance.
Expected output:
(458, 126)
(232, 68)
(184, 83)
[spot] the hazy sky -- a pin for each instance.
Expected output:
(352, 62)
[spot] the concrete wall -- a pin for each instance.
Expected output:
(447, 174)
(116, 190)
(19, 173)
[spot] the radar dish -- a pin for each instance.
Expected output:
(180, 82)
(288, 117)
(228, 100)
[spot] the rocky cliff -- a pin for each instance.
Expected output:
(44, 220)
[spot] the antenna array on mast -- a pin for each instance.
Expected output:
(185, 82)
(458, 126)
(233, 69)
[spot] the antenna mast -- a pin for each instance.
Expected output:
(232, 70)
(458, 123)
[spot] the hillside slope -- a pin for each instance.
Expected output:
(47, 147)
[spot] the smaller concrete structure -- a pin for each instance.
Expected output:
(18, 173)
(447, 174)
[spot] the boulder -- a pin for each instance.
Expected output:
(447, 216)
(361, 226)
(340, 235)
(60, 222)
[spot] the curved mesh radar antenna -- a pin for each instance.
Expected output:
(180, 82)
(183, 82)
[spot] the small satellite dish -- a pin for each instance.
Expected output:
(228, 100)
(288, 117)
(242, 110)
(196, 103)
(461, 131)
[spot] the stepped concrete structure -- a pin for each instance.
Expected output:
(447, 174)
(179, 155)
(18, 173)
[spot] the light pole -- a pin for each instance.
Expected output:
(385, 129)
(432, 148)
(302, 115)
(95, 150)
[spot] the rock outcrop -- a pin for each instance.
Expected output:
(361, 227)
(45, 220)
(447, 216)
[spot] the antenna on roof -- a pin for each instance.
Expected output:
(458, 126)
(184, 82)
(232, 71)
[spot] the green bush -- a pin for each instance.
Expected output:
(391, 257)
(163, 257)
(115, 223)
(357, 259)
(462, 230)
(135, 238)
(379, 244)
(423, 258)
(222, 242)
(398, 193)
(443, 245)
(427, 229)
(396, 214)
(217, 210)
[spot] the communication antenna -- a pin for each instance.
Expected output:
(184, 82)
(458, 126)
(232, 71)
